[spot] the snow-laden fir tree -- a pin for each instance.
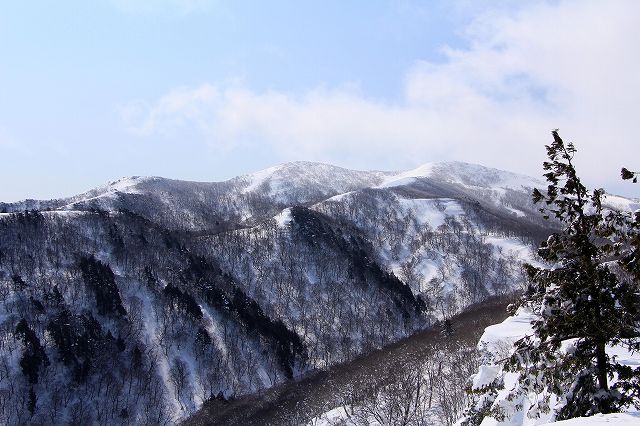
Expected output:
(628, 232)
(586, 301)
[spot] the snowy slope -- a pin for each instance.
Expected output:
(405, 232)
(281, 182)
(465, 174)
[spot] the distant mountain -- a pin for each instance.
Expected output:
(214, 205)
(248, 199)
(137, 301)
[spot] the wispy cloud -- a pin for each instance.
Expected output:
(572, 65)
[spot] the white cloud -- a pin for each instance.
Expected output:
(571, 65)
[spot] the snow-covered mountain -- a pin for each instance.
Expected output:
(253, 197)
(214, 205)
(137, 301)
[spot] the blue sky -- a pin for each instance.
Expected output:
(205, 90)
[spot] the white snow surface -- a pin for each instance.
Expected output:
(409, 176)
(620, 203)
(514, 246)
(508, 331)
(621, 419)
(431, 211)
(485, 376)
(465, 174)
(258, 178)
(283, 218)
(277, 181)
(127, 184)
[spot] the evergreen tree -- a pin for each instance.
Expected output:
(627, 229)
(100, 278)
(628, 174)
(33, 355)
(585, 301)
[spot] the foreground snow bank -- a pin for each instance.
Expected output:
(493, 385)
(620, 419)
(497, 336)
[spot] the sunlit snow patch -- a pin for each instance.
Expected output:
(257, 179)
(283, 218)
(431, 211)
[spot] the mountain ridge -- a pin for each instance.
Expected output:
(308, 173)
(127, 182)
(455, 172)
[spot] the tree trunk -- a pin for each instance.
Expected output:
(601, 366)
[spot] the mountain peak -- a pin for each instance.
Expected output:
(126, 183)
(464, 174)
(302, 174)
